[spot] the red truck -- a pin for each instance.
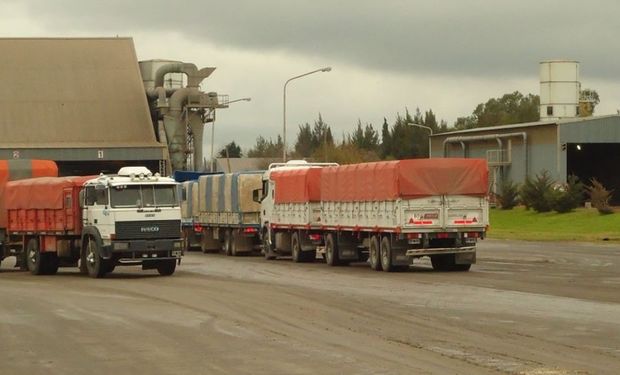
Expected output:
(12, 170)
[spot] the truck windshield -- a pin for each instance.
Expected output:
(143, 196)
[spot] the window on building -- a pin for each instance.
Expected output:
(549, 110)
(577, 111)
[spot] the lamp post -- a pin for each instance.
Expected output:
(213, 128)
(429, 136)
(326, 69)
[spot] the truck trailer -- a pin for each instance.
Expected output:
(12, 170)
(98, 222)
(223, 210)
(387, 213)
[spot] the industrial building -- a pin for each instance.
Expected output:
(561, 143)
(89, 105)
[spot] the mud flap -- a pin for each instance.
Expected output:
(400, 258)
(465, 258)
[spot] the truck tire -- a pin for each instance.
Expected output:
(374, 253)
(95, 264)
(166, 267)
(296, 248)
(34, 260)
(50, 263)
(445, 263)
(267, 247)
(386, 255)
(331, 251)
(228, 242)
(300, 256)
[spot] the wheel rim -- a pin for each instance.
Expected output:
(295, 248)
(373, 255)
(91, 257)
(32, 257)
(329, 252)
(385, 259)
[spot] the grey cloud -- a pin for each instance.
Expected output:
(457, 38)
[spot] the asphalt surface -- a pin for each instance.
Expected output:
(525, 308)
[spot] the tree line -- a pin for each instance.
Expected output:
(398, 140)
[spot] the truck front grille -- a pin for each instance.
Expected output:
(133, 230)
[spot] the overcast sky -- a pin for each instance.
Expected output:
(386, 56)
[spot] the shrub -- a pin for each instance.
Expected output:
(538, 193)
(599, 196)
(509, 196)
(566, 198)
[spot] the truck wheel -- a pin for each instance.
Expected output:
(386, 255)
(296, 248)
(267, 248)
(374, 253)
(51, 263)
(331, 251)
(34, 260)
(443, 262)
(95, 265)
(166, 267)
(228, 240)
(461, 267)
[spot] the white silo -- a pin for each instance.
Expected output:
(559, 89)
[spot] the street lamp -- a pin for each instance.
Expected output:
(326, 69)
(429, 136)
(213, 128)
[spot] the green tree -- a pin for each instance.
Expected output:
(510, 108)
(266, 148)
(304, 146)
(231, 150)
(321, 134)
(386, 140)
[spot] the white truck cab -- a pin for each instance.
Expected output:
(134, 217)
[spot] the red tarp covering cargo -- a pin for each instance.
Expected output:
(18, 169)
(297, 185)
(390, 180)
(43, 204)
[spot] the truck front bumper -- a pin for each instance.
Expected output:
(145, 249)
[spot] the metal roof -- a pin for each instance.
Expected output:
(525, 125)
(72, 93)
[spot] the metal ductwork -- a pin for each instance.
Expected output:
(194, 76)
(498, 137)
(171, 106)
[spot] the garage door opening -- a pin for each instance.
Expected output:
(596, 160)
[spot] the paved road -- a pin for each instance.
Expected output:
(525, 308)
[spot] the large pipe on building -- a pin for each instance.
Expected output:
(498, 137)
(172, 110)
(194, 76)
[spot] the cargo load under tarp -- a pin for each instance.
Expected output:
(11, 170)
(297, 185)
(231, 192)
(44, 203)
(413, 178)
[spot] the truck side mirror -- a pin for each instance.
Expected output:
(257, 195)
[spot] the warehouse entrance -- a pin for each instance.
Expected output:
(595, 160)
